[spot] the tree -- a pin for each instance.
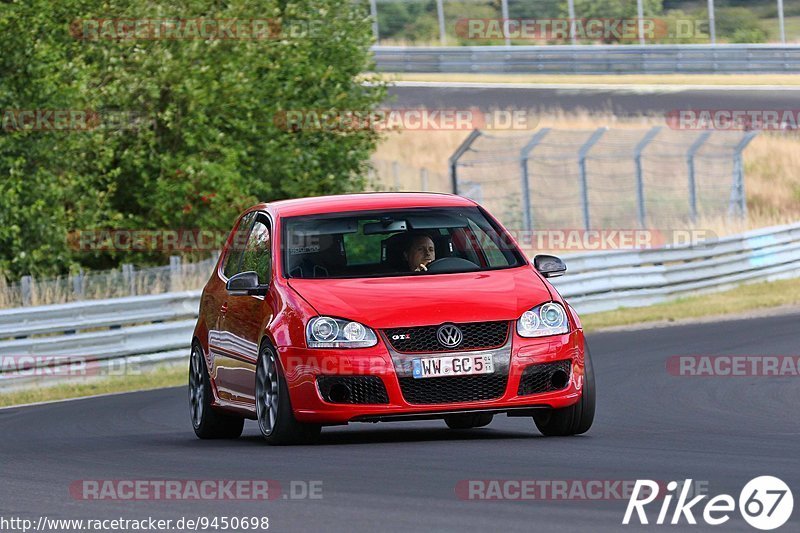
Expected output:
(199, 138)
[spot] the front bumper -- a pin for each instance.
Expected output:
(303, 366)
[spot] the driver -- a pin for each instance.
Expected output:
(419, 251)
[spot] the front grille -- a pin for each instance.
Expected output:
(453, 389)
(352, 389)
(476, 335)
(538, 378)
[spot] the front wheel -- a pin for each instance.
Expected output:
(208, 423)
(273, 409)
(575, 419)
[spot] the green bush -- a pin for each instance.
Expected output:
(207, 143)
(738, 24)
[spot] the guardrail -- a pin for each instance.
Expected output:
(602, 281)
(592, 59)
(89, 337)
(155, 329)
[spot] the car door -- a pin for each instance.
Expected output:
(215, 299)
(244, 318)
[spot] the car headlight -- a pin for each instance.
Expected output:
(543, 320)
(327, 332)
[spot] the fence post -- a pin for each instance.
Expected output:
(582, 153)
(453, 161)
(129, 278)
(396, 175)
(640, 14)
(712, 26)
(174, 272)
(373, 11)
(702, 138)
(738, 202)
(571, 15)
(77, 285)
(423, 179)
(504, 11)
(440, 16)
(25, 289)
(524, 154)
(781, 23)
(637, 157)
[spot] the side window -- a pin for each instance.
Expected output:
(234, 257)
(257, 254)
(494, 256)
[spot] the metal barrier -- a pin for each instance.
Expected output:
(592, 59)
(126, 328)
(609, 280)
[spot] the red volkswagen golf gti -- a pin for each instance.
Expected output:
(381, 307)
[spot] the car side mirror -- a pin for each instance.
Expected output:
(245, 284)
(549, 266)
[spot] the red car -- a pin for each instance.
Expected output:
(381, 307)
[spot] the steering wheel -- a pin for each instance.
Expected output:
(451, 264)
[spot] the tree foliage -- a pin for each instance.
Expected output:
(198, 138)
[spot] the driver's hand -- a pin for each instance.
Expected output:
(423, 266)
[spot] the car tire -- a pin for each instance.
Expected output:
(468, 420)
(273, 406)
(208, 423)
(575, 419)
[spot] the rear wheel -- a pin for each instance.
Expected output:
(468, 420)
(207, 422)
(575, 419)
(273, 408)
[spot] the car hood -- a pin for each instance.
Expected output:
(426, 299)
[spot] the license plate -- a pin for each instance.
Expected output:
(452, 365)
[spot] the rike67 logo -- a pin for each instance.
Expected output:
(765, 503)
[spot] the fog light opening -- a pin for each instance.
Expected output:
(339, 393)
(559, 379)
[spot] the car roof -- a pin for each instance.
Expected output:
(364, 202)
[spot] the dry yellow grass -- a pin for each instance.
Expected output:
(743, 300)
(611, 79)
(158, 378)
(60, 290)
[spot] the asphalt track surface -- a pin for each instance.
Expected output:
(621, 101)
(402, 476)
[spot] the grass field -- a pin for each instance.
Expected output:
(772, 163)
(160, 377)
(768, 80)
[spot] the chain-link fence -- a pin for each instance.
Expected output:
(604, 178)
(594, 179)
(444, 22)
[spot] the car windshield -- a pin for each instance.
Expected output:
(401, 242)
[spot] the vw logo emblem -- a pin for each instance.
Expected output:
(449, 336)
